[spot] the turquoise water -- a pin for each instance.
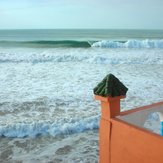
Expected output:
(78, 34)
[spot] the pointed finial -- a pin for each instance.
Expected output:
(110, 86)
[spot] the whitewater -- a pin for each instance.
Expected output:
(47, 107)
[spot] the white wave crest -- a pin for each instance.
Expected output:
(129, 44)
(24, 129)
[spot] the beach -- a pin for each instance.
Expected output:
(47, 107)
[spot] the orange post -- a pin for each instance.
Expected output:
(110, 107)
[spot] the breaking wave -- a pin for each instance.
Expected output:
(33, 129)
(129, 44)
(84, 44)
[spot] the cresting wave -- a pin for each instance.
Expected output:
(84, 44)
(129, 44)
(33, 129)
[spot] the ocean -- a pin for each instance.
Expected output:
(47, 109)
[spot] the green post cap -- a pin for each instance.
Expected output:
(110, 86)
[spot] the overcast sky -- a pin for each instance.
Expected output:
(121, 14)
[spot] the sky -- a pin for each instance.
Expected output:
(97, 14)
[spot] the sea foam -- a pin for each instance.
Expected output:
(24, 129)
(134, 56)
(66, 77)
(129, 44)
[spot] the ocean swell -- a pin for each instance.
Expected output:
(46, 44)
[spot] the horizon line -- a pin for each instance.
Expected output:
(78, 29)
